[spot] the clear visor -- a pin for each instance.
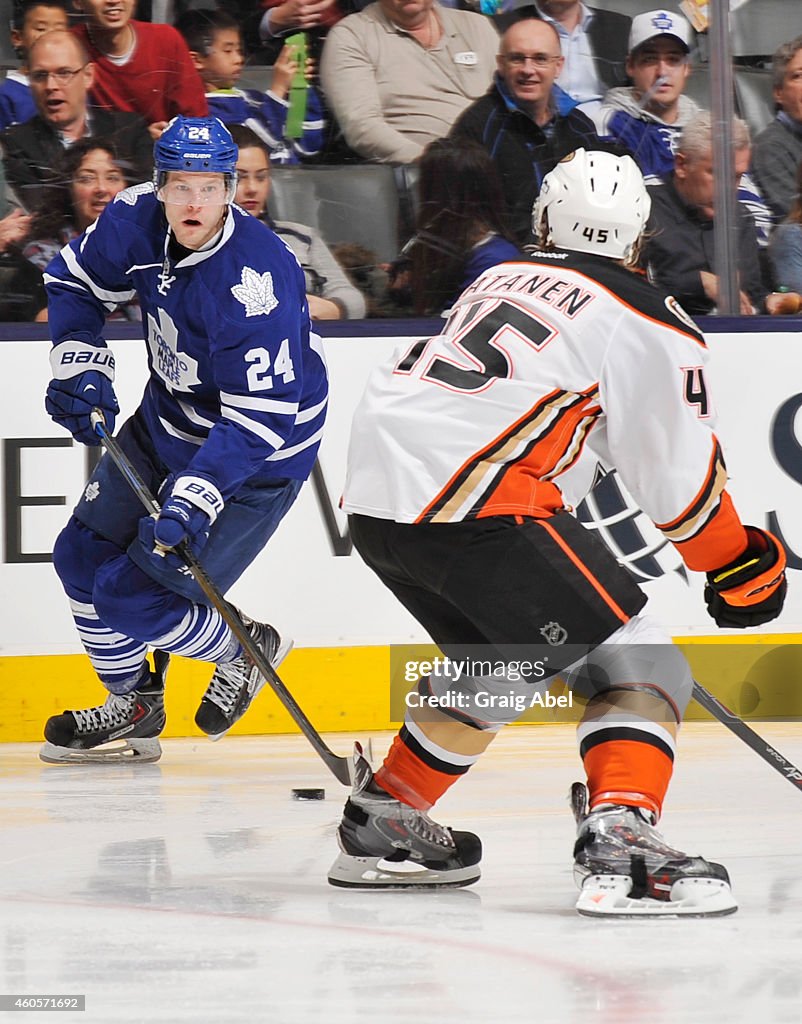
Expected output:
(206, 191)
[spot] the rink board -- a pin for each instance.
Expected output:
(315, 588)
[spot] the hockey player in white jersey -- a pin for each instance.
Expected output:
(227, 431)
(466, 455)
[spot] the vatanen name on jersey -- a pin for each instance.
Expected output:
(567, 296)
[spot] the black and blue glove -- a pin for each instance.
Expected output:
(75, 391)
(191, 506)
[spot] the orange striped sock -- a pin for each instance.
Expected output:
(409, 779)
(632, 772)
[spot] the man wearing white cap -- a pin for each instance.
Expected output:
(649, 116)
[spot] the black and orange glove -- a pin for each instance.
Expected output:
(751, 589)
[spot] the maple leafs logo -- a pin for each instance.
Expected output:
(255, 292)
(176, 368)
(133, 192)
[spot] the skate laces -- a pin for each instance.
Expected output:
(229, 678)
(429, 830)
(227, 682)
(115, 711)
(417, 823)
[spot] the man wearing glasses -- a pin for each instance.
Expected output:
(592, 40)
(60, 76)
(525, 120)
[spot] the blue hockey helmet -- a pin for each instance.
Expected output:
(201, 145)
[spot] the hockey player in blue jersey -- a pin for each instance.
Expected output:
(227, 431)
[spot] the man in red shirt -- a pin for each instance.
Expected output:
(140, 67)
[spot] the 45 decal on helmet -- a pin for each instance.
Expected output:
(594, 202)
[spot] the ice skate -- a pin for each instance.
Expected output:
(124, 728)
(624, 868)
(234, 685)
(387, 844)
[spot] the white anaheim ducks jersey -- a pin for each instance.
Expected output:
(544, 367)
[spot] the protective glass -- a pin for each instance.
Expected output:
(207, 193)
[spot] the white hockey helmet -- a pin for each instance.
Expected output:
(593, 201)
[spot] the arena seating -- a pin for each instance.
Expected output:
(758, 27)
(754, 97)
(349, 203)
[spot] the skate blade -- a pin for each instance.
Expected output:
(284, 649)
(608, 896)
(349, 872)
(131, 751)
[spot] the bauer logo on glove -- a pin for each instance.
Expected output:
(751, 589)
(189, 510)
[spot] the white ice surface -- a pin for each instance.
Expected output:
(195, 890)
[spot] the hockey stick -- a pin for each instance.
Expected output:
(340, 767)
(748, 735)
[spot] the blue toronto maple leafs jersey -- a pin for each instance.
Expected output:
(238, 384)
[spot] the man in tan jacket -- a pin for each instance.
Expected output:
(398, 74)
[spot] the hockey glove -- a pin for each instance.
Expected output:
(187, 514)
(751, 589)
(70, 403)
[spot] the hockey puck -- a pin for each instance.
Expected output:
(309, 794)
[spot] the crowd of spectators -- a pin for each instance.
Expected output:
(680, 249)
(215, 44)
(329, 293)
(61, 79)
(479, 98)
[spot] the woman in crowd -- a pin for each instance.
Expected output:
(460, 224)
(88, 177)
(330, 294)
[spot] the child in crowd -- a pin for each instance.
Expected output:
(31, 19)
(215, 43)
